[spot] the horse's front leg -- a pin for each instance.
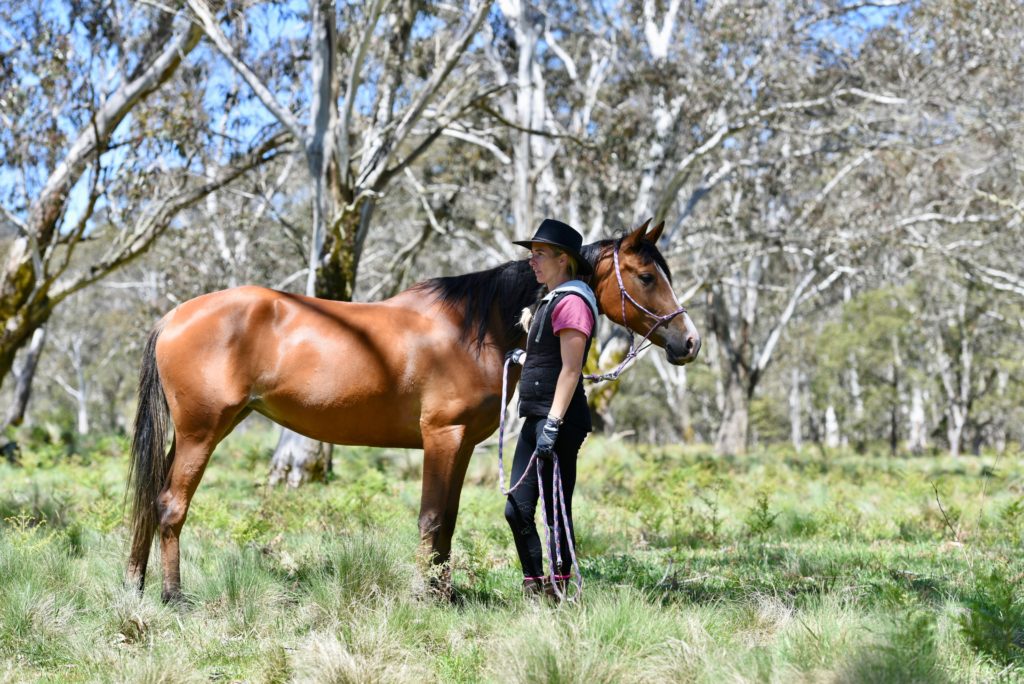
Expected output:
(446, 456)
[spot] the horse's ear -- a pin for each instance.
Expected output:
(654, 234)
(638, 234)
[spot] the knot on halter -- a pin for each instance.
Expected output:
(634, 350)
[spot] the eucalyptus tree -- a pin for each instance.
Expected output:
(103, 141)
(380, 90)
(751, 157)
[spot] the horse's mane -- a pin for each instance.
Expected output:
(508, 288)
(647, 251)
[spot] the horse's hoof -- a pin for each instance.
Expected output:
(173, 598)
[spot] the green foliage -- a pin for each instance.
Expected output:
(906, 652)
(873, 335)
(760, 519)
(994, 621)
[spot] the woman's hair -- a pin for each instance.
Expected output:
(570, 261)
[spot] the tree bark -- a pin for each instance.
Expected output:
(299, 459)
(25, 281)
(734, 432)
(23, 374)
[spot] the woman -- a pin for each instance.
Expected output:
(551, 396)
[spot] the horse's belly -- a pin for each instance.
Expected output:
(376, 423)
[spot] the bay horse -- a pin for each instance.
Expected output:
(420, 370)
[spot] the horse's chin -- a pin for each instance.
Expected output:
(681, 359)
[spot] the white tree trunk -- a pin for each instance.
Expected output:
(673, 380)
(527, 24)
(796, 432)
(299, 459)
(735, 428)
(999, 437)
(918, 439)
(23, 374)
(832, 436)
(83, 391)
(957, 419)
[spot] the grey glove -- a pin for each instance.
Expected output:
(516, 356)
(547, 438)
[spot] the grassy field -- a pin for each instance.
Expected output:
(778, 567)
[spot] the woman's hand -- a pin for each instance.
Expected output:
(516, 356)
(548, 437)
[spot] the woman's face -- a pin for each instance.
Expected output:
(549, 267)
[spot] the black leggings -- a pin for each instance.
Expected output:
(522, 503)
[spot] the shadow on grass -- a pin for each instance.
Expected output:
(795, 575)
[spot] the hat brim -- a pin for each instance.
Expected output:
(583, 266)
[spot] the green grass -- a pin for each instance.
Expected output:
(777, 567)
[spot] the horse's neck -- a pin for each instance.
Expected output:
(604, 283)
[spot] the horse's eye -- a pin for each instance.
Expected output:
(646, 278)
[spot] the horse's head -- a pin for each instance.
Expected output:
(647, 283)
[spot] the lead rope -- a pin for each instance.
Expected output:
(558, 507)
(560, 515)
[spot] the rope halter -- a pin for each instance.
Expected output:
(634, 350)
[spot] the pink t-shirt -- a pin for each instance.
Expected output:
(574, 313)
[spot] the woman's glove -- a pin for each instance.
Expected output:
(516, 356)
(547, 438)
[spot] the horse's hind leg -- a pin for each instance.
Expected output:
(445, 458)
(193, 448)
(142, 543)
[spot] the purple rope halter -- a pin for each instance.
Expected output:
(634, 350)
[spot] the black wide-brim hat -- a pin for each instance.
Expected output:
(563, 236)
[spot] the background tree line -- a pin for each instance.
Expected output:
(841, 183)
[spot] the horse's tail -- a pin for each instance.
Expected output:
(150, 461)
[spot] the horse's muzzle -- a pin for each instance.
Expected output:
(682, 349)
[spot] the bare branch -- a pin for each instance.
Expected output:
(658, 38)
(152, 223)
(354, 78)
(212, 29)
(75, 394)
(477, 140)
(388, 145)
(745, 121)
(11, 218)
(490, 111)
(776, 333)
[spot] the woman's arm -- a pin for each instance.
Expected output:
(572, 343)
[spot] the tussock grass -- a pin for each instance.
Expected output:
(780, 567)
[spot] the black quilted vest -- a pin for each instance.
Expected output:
(543, 364)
